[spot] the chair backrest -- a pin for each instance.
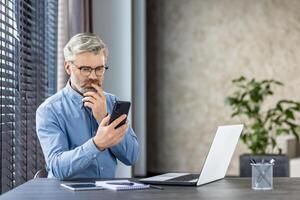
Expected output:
(42, 173)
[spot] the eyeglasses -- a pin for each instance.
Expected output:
(87, 70)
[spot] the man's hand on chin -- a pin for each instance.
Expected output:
(96, 101)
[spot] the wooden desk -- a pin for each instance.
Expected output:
(229, 188)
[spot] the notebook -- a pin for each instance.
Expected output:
(121, 185)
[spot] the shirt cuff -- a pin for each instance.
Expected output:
(90, 149)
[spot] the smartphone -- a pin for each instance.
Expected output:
(120, 108)
(81, 186)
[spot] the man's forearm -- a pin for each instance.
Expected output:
(127, 150)
(66, 164)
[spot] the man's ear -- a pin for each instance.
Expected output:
(67, 67)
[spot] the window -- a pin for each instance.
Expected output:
(28, 35)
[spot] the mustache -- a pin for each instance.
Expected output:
(90, 82)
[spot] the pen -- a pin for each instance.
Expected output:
(120, 183)
(156, 187)
(252, 161)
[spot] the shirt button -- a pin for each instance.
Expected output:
(101, 168)
(94, 156)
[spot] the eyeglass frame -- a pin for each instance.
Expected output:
(105, 67)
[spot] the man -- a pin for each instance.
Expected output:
(72, 125)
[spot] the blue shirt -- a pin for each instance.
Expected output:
(65, 129)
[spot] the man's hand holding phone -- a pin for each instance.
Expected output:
(107, 135)
(96, 101)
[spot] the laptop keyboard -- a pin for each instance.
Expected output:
(187, 177)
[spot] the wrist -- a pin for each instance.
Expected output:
(98, 145)
(99, 117)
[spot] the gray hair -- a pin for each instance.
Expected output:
(84, 42)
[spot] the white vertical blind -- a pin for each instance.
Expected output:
(24, 83)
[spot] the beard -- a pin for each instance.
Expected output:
(86, 85)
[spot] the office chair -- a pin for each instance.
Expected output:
(42, 173)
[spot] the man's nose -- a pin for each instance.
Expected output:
(93, 75)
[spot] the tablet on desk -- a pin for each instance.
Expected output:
(81, 186)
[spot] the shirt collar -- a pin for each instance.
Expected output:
(74, 95)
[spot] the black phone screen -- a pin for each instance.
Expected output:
(120, 108)
(89, 185)
(81, 186)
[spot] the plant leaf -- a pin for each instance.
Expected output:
(289, 114)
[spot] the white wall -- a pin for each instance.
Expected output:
(139, 82)
(196, 48)
(112, 22)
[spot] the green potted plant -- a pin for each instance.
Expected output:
(263, 125)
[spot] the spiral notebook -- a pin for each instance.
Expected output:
(121, 185)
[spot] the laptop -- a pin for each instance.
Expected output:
(216, 163)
